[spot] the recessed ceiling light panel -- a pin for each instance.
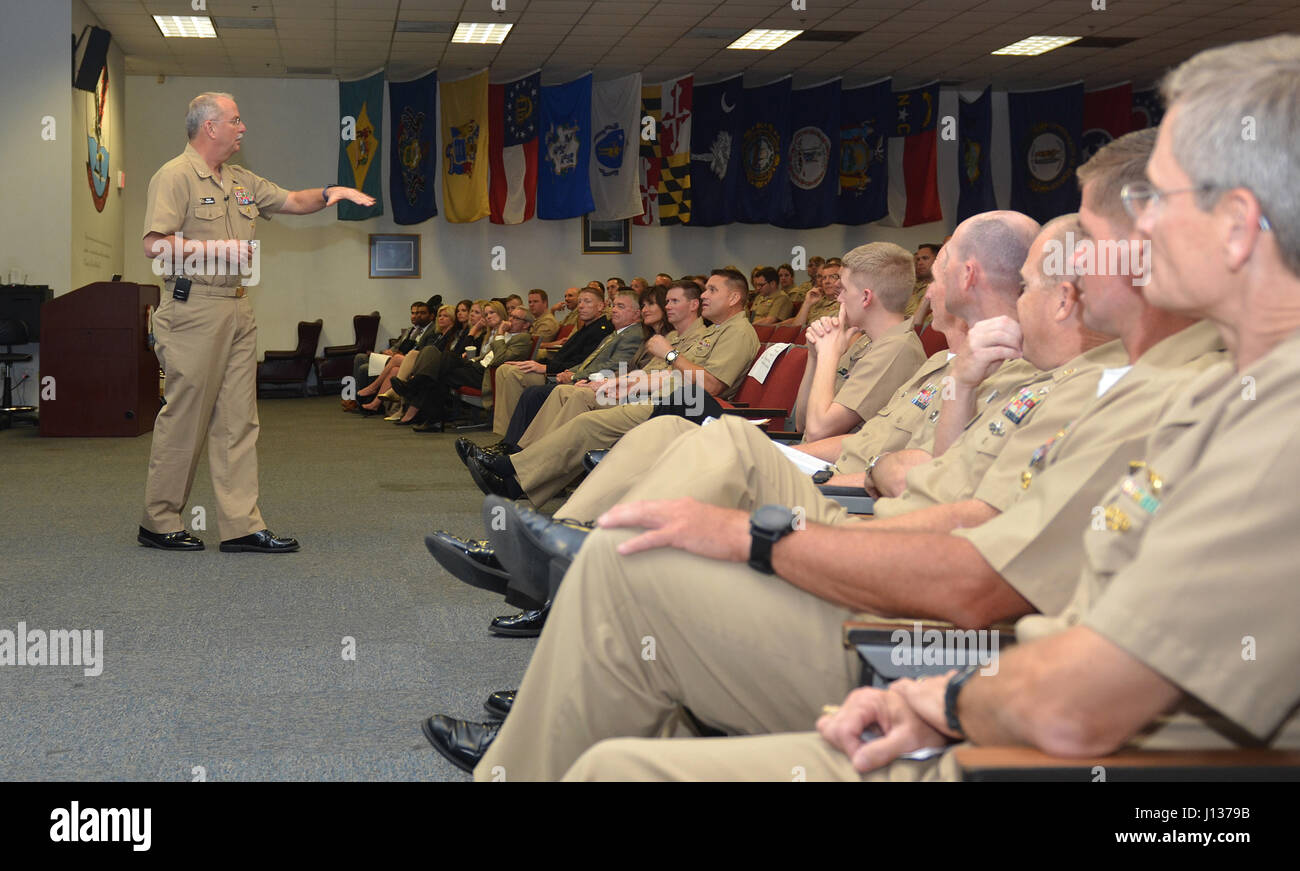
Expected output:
(1031, 46)
(765, 40)
(186, 26)
(481, 34)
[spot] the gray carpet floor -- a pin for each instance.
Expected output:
(230, 666)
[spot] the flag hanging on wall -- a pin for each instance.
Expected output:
(866, 122)
(674, 143)
(465, 152)
(1148, 109)
(648, 161)
(512, 133)
(813, 155)
(1107, 115)
(563, 185)
(1046, 127)
(615, 151)
(413, 149)
(914, 158)
(764, 193)
(361, 113)
(715, 151)
(974, 142)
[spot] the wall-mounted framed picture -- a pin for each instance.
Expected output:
(606, 237)
(394, 255)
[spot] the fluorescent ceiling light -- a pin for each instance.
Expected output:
(1035, 45)
(190, 26)
(481, 34)
(765, 40)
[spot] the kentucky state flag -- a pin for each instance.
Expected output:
(363, 102)
(465, 154)
(512, 131)
(648, 161)
(413, 149)
(866, 123)
(914, 158)
(715, 151)
(1148, 109)
(812, 158)
(674, 141)
(563, 184)
(974, 141)
(764, 195)
(1046, 127)
(1107, 115)
(615, 148)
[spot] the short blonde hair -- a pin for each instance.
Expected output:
(888, 269)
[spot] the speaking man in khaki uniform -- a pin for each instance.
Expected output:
(198, 227)
(1191, 576)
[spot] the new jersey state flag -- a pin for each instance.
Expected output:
(715, 151)
(615, 148)
(866, 123)
(674, 141)
(515, 112)
(648, 161)
(413, 149)
(359, 157)
(764, 195)
(1046, 127)
(914, 158)
(563, 184)
(813, 156)
(465, 149)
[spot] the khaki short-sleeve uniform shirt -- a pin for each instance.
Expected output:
(1192, 570)
(914, 409)
(185, 197)
(824, 308)
(685, 344)
(869, 372)
(778, 305)
(725, 351)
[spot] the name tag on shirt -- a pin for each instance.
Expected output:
(207, 201)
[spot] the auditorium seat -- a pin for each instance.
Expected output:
(336, 361)
(774, 397)
(279, 368)
(876, 641)
(931, 339)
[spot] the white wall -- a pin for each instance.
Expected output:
(316, 266)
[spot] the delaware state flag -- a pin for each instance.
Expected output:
(413, 149)
(914, 158)
(465, 148)
(648, 161)
(359, 157)
(563, 184)
(515, 112)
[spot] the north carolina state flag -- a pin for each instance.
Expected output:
(512, 138)
(1107, 115)
(914, 158)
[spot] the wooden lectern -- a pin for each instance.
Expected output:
(94, 343)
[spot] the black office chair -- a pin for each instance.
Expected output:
(12, 332)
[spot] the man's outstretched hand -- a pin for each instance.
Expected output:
(338, 193)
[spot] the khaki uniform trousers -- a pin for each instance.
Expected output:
(207, 348)
(511, 383)
(630, 460)
(555, 459)
(630, 639)
(791, 757)
(564, 404)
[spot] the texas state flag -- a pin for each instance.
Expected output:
(512, 136)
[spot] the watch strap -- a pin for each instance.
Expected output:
(950, 698)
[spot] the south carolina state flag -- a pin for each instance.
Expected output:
(515, 109)
(914, 158)
(465, 149)
(563, 185)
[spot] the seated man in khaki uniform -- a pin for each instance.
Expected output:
(544, 325)
(799, 291)
(716, 365)
(1191, 573)
(821, 302)
(771, 304)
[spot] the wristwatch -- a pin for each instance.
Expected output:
(950, 698)
(768, 525)
(670, 357)
(325, 191)
(871, 467)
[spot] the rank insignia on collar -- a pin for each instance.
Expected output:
(997, 427)
(923, 396)
(1022, 404)
(934, 415)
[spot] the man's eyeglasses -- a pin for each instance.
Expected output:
(1138, 196)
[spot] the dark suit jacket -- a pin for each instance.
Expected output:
(579, 344)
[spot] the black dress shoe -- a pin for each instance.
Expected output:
(473, 562)
(525, 624)
(500, 702)
(460, 742)
(532, 547)
(429, 426)
(263, 541)
(169, 540)
(463, 446)
(490, 482)
(502, 447)
(591, 459)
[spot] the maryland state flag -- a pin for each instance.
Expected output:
(361, 114)
(465, 152)
(677, 98)
(413, 149)
(648, 164)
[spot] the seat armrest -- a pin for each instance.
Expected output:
(987, 764)
(755, 413)
(896, 648)
(341, 350)
(280, 355)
